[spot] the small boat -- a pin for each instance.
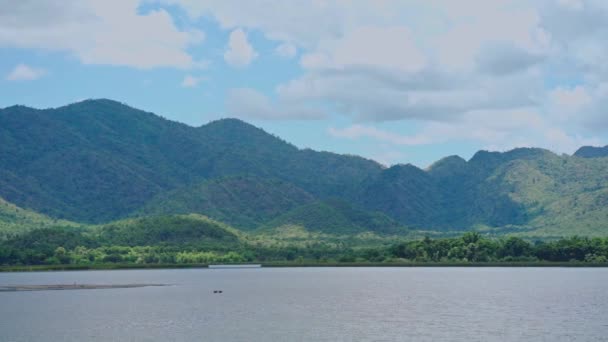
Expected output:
(236, 266)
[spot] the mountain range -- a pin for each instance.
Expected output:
(99, 161)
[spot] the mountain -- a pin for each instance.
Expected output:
(336, 217)
(98, 161)
(243, 202)
(91, 161)
(404, 192)
(592, 152)
(452, 194)
(529, 191)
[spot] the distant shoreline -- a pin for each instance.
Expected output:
(42, 268)
(63, 287)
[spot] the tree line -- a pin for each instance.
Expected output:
(70, 246)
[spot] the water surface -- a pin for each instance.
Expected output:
(312, 304)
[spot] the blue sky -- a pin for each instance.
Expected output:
(395, 81)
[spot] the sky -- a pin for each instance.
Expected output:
(394, 81)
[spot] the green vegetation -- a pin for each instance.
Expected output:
(196, 240)
(592, 152)
(99, 161)
(336, 217)
(243, 202)
(15, 220)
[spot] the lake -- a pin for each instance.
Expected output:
(312, 304)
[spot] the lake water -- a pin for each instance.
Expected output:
(313, 304)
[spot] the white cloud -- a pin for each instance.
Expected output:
(378, 61)
(190, 81)
(302, 23)
(580, 106)
(388, 157)
(495, 130)
(286, 50)
(99, 32)
(572, 4)
(251, 104)
(361, 131)
(499, 73)
(391, 48)
(22, 72)
(239, 52)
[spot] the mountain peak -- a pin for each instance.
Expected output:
(448, 161)
(231, 128)
(448, 165)
(401, 170)
(516, 153)
(228, 123)
(16, 108)
(99, 103)
(592, 152)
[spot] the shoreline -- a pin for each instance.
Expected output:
(65, 287)
(89, 267)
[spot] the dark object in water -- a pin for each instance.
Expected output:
(217, 291)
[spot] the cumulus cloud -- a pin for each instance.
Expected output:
(22, 72)
(239, 52)
(362, 131)
(582, 106)
(501, 73)
(286, 50)
(390, 48)
(249, 103)
(503, 59)
(494, 130)
(99, 32)
(302, 23)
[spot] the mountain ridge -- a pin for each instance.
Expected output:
(98, 161)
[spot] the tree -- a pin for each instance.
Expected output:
(61, 255)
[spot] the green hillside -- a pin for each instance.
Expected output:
(179, 230)
(15, 220)
(336, 217)
(592, 152)
(563, 195)
(405, 193)
(532, 192)
(242, 202)
(160, 239)
(100, 160)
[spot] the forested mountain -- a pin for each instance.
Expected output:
(592, 152)
(530, 191)
(243, 202)
(98, 161)
(336, 217)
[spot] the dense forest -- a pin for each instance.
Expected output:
(98, 182)
(193, 239)
(99, 161)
